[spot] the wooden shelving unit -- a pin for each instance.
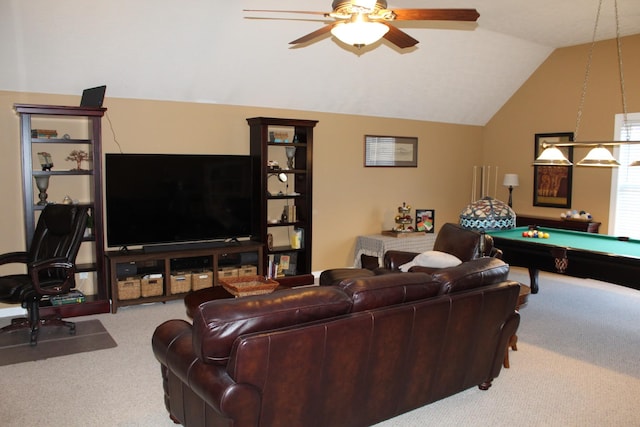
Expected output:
(270, 138)
(30, 117)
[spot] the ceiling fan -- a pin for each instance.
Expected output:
(363, 22)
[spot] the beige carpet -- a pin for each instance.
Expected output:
(577, 365)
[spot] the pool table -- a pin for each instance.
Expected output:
(574, 253)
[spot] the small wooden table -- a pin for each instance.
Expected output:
(377, 245)
(525, 291)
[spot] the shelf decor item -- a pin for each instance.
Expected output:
(291, 153)
(78, 156)
(425, 220)
(403, 219)
(45, 160)
(42, 182)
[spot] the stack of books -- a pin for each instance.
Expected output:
(44, 133)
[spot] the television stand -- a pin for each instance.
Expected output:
(160, 264)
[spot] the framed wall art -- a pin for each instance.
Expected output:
(552, 184)
(389, 151)
(425, 220)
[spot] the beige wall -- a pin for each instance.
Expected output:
(548, 102)
(349, 199)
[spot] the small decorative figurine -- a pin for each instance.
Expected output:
(45, 160)
(403, 219)
(78, 156)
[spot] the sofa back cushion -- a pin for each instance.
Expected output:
(471, 274)
(217, 324)
(368, 293)
(461, 242)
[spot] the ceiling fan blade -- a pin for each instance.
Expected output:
(400, 38)
(436, 14)
(317, 33)
(306, 12)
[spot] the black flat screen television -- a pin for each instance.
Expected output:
(154, 199)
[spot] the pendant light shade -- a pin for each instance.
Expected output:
(552, 156)
(599, 156)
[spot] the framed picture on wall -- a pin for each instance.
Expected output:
(425, 220)
(390, 151)
(552, 184)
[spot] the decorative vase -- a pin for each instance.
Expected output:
(291, 153)
(42, 182)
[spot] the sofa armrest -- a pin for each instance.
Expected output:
(173, 347)
(422, 269)
(394, 259)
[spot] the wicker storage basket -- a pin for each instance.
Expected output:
(180, 282)
(151, 287)
(227, 272)
(201, 279)
(247, 270)
(129, 288)
(249, 285)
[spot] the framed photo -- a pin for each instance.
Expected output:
(425, 220)
(552, 184)
(390, 151)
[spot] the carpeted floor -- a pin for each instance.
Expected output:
(53, 341)
(577, 364)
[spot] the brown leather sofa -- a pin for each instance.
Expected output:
(352, 354)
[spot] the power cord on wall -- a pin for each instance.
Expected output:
(113, 132)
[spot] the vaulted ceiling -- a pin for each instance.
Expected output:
(209, 51)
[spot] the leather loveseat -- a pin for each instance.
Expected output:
(352, 354)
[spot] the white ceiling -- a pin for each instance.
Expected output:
(207, 51)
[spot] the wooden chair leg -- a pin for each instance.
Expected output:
(511, 345)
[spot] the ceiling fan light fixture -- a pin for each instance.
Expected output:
(359, 31)
(552, 156)
(599, 156)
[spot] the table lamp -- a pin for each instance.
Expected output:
(510, 180)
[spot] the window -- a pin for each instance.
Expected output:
(625, 184)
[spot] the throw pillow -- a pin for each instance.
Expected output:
(433, 259)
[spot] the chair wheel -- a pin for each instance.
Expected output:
(72, 330)
(34, 339)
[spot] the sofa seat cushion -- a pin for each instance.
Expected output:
(217, 324)
(471, 274)
(432, 259)
(368, 293)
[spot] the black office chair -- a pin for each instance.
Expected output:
(50, 263)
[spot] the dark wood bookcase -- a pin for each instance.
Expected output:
(270, 139)
(31, 117)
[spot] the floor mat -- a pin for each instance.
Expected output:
(53, 341)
